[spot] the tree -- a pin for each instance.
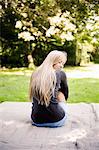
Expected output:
(39, 26)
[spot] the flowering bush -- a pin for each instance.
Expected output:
(62, 26)
(41, 26)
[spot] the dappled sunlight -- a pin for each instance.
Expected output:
(17, 71)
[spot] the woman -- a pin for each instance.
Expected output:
(49, 90)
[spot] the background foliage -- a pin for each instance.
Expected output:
(38, 26)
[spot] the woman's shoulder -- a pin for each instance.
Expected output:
(61, 74)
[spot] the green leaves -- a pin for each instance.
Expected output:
(49, 24)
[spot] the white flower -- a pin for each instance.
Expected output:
(56, 20)
(89, 26)
(68, 36)
(94, 40)
(24, 15)
(37, 33)
(24, 28)
(0, 6)
(50, 31)
(63, 36)
(18, 24)
(26, 36)
(96, 18)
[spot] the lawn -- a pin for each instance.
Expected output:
(15, 88)
(84, 90)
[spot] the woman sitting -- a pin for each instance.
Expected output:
(48, 91)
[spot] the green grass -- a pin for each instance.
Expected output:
(83, 90)
(15, 88)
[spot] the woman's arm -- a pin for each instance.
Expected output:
(60, 96)
(64, 86)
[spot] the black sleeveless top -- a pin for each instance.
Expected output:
(54, 112)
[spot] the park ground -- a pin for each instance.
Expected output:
(81, 131)
(84, 71)
(83, 84)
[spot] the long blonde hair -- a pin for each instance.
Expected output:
(43, 80)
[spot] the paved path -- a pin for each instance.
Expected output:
(81, 132)
(89, 71)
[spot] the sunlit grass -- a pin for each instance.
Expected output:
(84, 90)
(15, 88)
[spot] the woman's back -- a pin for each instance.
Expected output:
(54, 112)
(48, 86)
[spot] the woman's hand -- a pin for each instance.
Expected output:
(60, 96)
